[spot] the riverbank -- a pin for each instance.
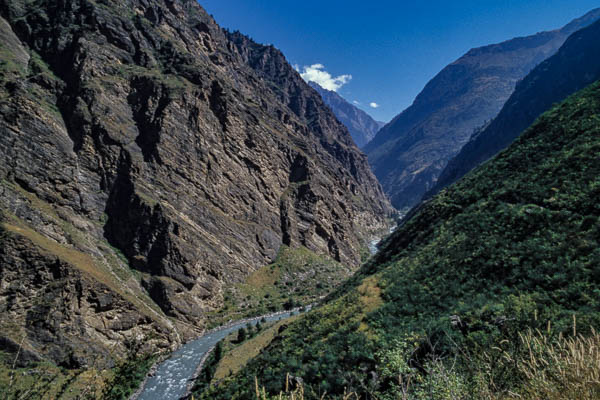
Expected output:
(157, 387)
(243, 322)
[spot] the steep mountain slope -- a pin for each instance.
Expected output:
(410, 152)
(149, 160)
(360, 124)
(576, 65)
(514, 245)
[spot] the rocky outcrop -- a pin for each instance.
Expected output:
(146, 150)
(361, 126)
(410, 152)
(60, 312)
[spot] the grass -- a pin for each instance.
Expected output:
(45, 380)
(24, 77)
(233, 352)
(370, 294)
(147, 199)
(567, 368)
(9, 65)
(370, 299)
(127, 376)
(295, 391)
(82, 261)
(174, 83)
(113, 262)
(297, 277)
(236, 358)
(303, 337)
(554, 368)
(39, 66)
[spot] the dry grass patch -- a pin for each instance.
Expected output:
(370, 298)
(370, 294)
(568, 368)
(297, 277)
(296, 392)
(237, 358)
(82, 261)
(263, 277)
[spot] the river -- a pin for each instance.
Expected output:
(374, 244)
(171, 378)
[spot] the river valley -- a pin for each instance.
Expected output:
(172, 376)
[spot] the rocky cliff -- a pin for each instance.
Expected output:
(410, 152)
(573, 67)
(150, 159)
(362, 126)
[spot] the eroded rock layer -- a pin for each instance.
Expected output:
(149, 159)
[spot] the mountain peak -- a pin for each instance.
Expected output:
(587, 19)
(362, 126)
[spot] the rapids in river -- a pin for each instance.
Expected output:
(171, 378)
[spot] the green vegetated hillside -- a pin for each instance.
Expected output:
(444, 310)
(297, 277)
(575, 66)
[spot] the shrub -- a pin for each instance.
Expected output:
(241, 336)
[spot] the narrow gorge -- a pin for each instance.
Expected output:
(153, 160)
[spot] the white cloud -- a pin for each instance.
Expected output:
(316, 73)
(356, 102)
(373, 105)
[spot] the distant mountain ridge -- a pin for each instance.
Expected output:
(574, 66)
(410, 152)
(362, 126)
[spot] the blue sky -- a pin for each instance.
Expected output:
(389, 48)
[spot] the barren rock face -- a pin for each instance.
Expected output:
(65, 315)
(176, 157)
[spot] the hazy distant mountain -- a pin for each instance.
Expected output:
(410, 152)
(362, 127)
(576, 65)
